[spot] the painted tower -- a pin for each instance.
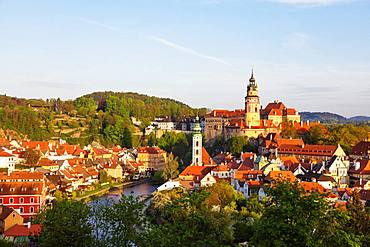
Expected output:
(252, 103)
(197, 144)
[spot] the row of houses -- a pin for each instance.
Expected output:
(27, 187)
(325, 168)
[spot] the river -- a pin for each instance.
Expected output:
(144, 189)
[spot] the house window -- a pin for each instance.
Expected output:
(21, 200)
(1, 200)
(11, 200)
(31, 210)
(32, 200)
(21, 210)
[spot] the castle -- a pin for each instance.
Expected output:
(253, 120)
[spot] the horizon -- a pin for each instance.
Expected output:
(312, 55)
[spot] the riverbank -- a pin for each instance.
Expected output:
(107, 188)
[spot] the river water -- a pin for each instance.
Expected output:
(139, 190)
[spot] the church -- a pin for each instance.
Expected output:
(253, 120)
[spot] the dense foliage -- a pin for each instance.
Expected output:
(212, 216)
(101, 116)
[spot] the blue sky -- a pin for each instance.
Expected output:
(311, 54)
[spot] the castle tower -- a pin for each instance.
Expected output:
(197, 144)
(252, 103)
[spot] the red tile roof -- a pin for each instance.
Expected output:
(221, 168)
(22, 175)
(362, 148)
(281, 175)
(206, 159)
(5, 154)
(364, 168)
(315, 150)
(226, 113)
(312, 186)
(151, 150)
(23, 231)
(196, 171)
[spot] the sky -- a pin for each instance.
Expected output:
(313, 55)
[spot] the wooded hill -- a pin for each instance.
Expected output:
(100, 116)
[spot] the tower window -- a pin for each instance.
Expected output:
(197, 144)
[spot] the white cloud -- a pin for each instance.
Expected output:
(178, 47)
(311, 3)
(159, 40)
(99, 24)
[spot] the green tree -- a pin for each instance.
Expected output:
(126, 138)
(293, 217)
(121, 224)
(236, 145)
(171, 169)
(66, 224)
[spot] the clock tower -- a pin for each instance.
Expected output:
(252, 104)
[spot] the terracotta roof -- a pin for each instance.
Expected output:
(206, 159)
(275, 112)
(364, 168)
(274, 105)
(362, 148)
(23, 231)
(226, 113)
(5, 154)
(196, 170)
(22, 175)
(312, 186)
(281, 175)
(315, 150)
(221, 168)
(21, 188)
(247, 155)
(151, 150)
(233, 165)
(255, 183)
(290, 111)
(284, 141)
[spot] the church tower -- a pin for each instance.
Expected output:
(197, 144)
(252, 103)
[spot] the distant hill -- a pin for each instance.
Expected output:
(327, 117)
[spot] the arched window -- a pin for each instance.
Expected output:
(196, 161)
(31, 210)
(21, 200)
(197, 143)
(197, 152)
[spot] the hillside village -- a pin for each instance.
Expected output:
(35, 173)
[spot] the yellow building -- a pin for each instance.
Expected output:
(153, 158)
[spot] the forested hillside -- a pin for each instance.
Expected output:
(100, 116)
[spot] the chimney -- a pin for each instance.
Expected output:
(308, 122)
(301, 124)
(29, 224)
(357, 165)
